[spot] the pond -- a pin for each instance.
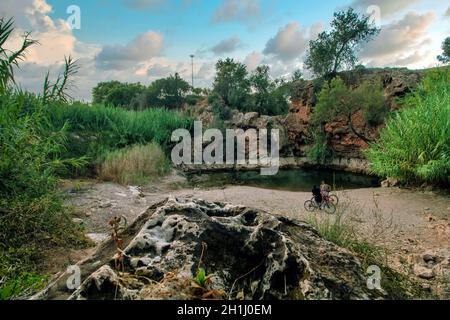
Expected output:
(297, 180)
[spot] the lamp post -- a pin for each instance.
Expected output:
(192, 65)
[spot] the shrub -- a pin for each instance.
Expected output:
(137, 164)
(336, 100)
(373, 103)
(95, 130)
(32, 216)
(415, 145)
(319, 151)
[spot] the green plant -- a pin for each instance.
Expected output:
(32, 216)
(10, 59)
(336, 49)
(320, 152)
(445, 56)
(373, 104)
(134, 165)
(339, 230)
(415, 145)
(202, 280)
(95, 130)
(336, 100)
(59, 89)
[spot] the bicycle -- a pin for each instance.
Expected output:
(333, 198)
(327, 205)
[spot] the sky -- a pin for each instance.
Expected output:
(143, 40)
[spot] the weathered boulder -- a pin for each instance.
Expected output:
(251, 254)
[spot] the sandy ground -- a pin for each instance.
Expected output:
(410, 224)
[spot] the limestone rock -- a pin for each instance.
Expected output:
(250, 253)
(423, 272)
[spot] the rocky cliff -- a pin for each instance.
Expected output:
(248, 253)
(396, 83)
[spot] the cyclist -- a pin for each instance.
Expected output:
(325, 190)
(317, 195)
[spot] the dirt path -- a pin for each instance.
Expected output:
(413, 225)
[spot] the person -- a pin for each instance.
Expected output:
(317, 195)
(325, 189)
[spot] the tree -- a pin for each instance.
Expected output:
(231, 84)
(445, 56)
(168, 92)
(101, 91)
(297, 76)
(335, 50)
(337, 100)
(269, 96)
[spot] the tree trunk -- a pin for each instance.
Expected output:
(359, 135)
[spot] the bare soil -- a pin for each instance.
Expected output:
(414, 226)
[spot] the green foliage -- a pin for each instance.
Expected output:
(168, 93)
(337, 100)
(57, 91)
(32, 216)
(10, 59)
(234, 88)
(341, 231)
(319, 152)
(415, 145)
(117, 94)
(269, 97)
(95, 130)
(370, 97)
(336, 49)
(201, 279)
(231, 84)
(22, 285)
(445, 56)
(134, 165)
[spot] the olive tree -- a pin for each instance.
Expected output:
(336, 50)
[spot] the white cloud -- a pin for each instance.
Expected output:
(145, 46)
(237, 10)
(387, 7)
(159, 71)
(400, 43)
(253, 60)
(291, 41)
(227, 46)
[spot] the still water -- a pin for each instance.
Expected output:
(287, 180)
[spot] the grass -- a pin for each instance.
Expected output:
(32, 216)
(134, 165)
(96, 130)
(340, 230)
(415, 145)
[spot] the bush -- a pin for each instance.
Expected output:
(319, 152)
(373, 104)
(95, 130)
(32, 216)
(415, 145)
(134, 165)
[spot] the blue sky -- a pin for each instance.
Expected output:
(142, 40)
(187, 25)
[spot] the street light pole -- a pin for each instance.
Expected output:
(192, 64)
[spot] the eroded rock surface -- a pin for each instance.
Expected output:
(251, 254)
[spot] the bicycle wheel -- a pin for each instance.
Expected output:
(334, 199)
(310, 206)
(329, 208)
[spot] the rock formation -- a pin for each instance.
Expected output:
(250, 254)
